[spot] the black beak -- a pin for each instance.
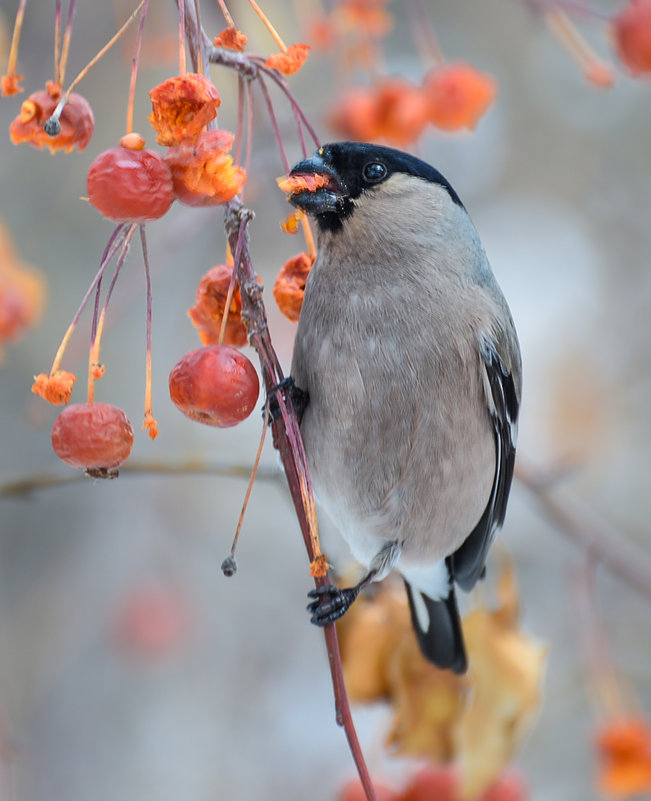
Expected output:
(328, 199)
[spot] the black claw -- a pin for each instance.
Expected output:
(331, 603)
(299, 397)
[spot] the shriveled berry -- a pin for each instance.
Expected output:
(73, 128)
(96, 436)
(216, 385)
(128, 185)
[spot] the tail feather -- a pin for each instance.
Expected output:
(438, 629)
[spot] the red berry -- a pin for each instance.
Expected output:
(508, 787)
(632, 34)
(153, 620)
(215, 385)
(92, 435)
(129, 185)
(440, 783)
(353, 791)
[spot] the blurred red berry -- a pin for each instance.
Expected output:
(153, 620)
(368, 17)
(128, 185)
(624, 751)
(509, 787)
(355, 115)
(92, 436)
(443, 783)
(76, 121)
(402, 111)
(632, 35)
(457, 95)
(433, 784)
(353, 791)
(394, 110)
(216, 385)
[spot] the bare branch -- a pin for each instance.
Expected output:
(575, 519)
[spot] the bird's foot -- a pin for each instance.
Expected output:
(330, 603)
(299, 398)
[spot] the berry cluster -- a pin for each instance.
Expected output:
(131, 183)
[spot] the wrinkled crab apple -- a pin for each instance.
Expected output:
(76, 121)
(289, 289)
(208, 310)
(216, 385)
(130, 184)
(632, 36)
(182, 107)
(203, 172)
(93, 436)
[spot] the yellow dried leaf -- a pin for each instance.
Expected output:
(506, 671)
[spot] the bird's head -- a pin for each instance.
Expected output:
(332, 183)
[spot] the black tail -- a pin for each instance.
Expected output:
(440, 637)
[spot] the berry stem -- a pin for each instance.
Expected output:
(57, 43)
(227, 308)
(274, 122)
(265, 21)
(281, 81)
(240, 119)
(115, 241)
(15, 39)
(250, 108)
(58, 357)
(572, 40)
(57, 111)
(97, 327)
(249, 488)
(424, 33)
(199, 54)
(134, 68)
(182, 67)
(225, 12)
(93, 356)
(65, 47)
(149, 421)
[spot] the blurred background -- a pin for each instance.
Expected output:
(129, 666)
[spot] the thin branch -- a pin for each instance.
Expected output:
(274, 123)
(241, 88)
(240, 62)
(571, 6)
(32, 484)
(199, 44)
(287, 440)
(580, 523)
(250, 110)
(284, 86)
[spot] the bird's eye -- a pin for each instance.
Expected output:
(374, 172)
